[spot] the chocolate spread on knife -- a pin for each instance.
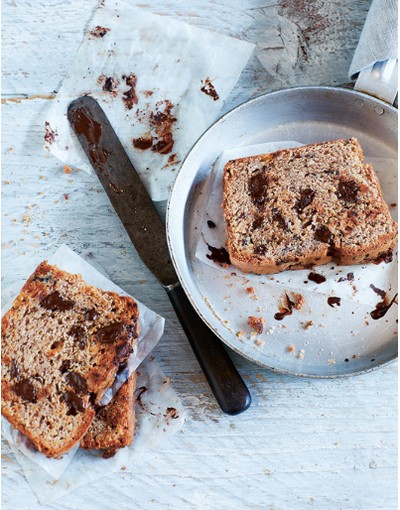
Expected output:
(91, 130)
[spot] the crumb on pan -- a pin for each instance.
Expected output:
(257, 323)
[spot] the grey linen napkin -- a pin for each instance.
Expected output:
(378, 40)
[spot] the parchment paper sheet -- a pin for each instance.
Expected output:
(171, 62)
(50, 478)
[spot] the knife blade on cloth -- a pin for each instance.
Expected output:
(137, 213)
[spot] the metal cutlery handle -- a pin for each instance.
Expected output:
(225, 381)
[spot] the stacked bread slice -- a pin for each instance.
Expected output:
(63, 343)
(300, 207)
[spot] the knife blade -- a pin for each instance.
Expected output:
(139, 216)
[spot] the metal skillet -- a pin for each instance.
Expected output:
(341, 344)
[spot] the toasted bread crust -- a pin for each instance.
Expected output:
(113, 425)
(301, 207)
(62, 344)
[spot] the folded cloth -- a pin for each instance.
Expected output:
(378, 40)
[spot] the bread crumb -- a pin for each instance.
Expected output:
(239, 334)
(291, 348)
(269, 330)
(331, 362)
(307, 325)
(257, 323)
(26, 218)
(299, 300)
(250, 290)
(7, 182)
(259, 342)
(301, 354)
(67, 169)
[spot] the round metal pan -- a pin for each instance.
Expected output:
(340, 343)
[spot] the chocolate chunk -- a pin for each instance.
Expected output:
(211, 224)
(99, 31)
(306, 197)
(384, 257)
(109, 334)
(219, 255)
(277, 216)
(77, 382)
(258, 184)
(123, 351)
(347, 191)
(209, 89)
(55, 302)
(317, 278)
(65, 366)
(261, 249)
(79, 334)
(323, 234)
(91, 315)
(332, 301)
(77, 404)
(14, 369)
(130, 97)
(25, 390)
(109, 84)
(172, 413)
(142, 143)
(257, 223)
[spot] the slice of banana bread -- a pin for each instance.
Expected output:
(300, 207)
(113, 425)
(63, 342)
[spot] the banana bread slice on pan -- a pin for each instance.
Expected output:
(63, 342)
(113, 425)
(305, 206)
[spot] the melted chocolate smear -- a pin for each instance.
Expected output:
(306, 197)
(25, 390)
(348, 278)
(317, 278)
(99, 31)
(79, 334)
(384, 257)
(14, 370)
(218, 255)
(77, 404)
(162, 123)
(109, 334)
(211, 224)
(323, 235)
(65, 366)
(381, 293)
(209, 89)
(332, 301)
(130, 97)
(258, 183)
(347, 191)
(91, 315)
(77, 382)
(139, 393)
(285, 310)
(91, 130)
(381, 309)
(142, 143)
(55, 302)
(109, 84)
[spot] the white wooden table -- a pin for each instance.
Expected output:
(327, 444)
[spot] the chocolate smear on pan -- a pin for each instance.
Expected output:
(382, 308)
(209, 89)
(211, 224)
(219, 256)
(317, 278)
(333, 300)
(285, 309)
(99, 31)
(50, 134)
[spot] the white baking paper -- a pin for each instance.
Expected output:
(383, 276)
(151, 329)
(159, 415)
(171, 61)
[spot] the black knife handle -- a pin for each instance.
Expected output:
(228, 387)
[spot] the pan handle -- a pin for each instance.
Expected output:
(379, 80)
(228, 387)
